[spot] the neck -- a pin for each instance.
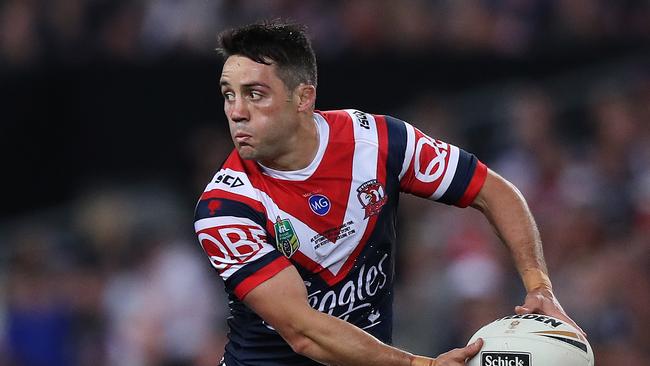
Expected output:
(302, 146)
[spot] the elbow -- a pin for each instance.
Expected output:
(300, 344)
(294, 334)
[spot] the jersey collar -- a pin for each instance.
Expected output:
(303, 174)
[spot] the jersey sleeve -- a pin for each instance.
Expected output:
(434, 169)
(232, 234)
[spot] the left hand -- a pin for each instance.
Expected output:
(543, 301)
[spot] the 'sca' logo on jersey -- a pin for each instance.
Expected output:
(372, 197)
(229, 180)
(285, 237)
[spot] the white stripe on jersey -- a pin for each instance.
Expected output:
(410, 149)
(209, 222)
(449, 174)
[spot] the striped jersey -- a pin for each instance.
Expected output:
(334, 220)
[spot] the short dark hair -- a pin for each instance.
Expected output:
(285, 44)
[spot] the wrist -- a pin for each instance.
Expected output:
(536, 279)
(422, 361)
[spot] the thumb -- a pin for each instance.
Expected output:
(472, 349)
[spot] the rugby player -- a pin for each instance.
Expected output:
(300, 220)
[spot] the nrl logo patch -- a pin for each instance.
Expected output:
(285, 237)
(372, 197)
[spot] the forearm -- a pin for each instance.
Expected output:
(333, 341)
(506, 209)
(317, 335)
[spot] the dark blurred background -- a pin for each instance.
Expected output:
(111, 124)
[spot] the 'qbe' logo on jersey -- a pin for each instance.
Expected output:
(372, 197)
(229, 245)
(319, 204)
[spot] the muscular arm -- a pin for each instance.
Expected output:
(506, 209)
(325, 338)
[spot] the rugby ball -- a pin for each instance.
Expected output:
(531, 340)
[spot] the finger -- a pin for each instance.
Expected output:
(582, 332)
(566, 318)
(572, 323)
(520, 310)
(560, 314)
(471, 349)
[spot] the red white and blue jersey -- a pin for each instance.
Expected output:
(335, 221)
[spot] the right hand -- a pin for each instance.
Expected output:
(458, 356)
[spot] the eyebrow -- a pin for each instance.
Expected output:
(253, 84)
(246, 85)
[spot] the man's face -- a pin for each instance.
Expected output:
(261, 111)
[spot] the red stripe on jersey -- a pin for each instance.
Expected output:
(475, 185)
(263, 274)
(409, 176)
(382, 132)
(219, 193)
(308, 264)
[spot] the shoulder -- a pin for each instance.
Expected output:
(232, 176)
(232, 183)
(364, 119)
(362, 123)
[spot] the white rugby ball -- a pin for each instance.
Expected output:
(531, 340)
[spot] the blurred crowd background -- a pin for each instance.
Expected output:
(111, 125)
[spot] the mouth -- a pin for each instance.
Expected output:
(242, 138)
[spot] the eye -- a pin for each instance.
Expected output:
(255, 95)
(228, 96)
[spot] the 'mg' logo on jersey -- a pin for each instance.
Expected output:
(285, 237)
(319, 204)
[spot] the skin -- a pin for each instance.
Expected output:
(507, 211)
(268, 122)
(274, 125)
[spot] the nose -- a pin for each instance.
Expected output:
(238, 111)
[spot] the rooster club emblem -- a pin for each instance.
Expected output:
(372, 197)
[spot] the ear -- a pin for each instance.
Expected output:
(306, 97)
